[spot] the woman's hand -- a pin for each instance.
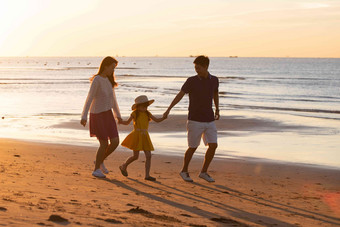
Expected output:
(83, 122)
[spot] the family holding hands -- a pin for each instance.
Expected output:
(102, 104)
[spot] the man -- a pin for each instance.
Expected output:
(202, 90)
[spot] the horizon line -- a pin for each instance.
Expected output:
(156, 56)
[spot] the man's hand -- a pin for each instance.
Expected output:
(217, 114)
(166, 113)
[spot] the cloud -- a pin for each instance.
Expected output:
(313, 5)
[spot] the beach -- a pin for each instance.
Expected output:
(51, 184)
(277, 161)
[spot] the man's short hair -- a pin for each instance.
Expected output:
(202, 60)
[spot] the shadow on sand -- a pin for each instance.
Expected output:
(239, 214)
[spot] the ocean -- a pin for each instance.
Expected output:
(301, 95)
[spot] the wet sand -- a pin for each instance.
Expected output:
(177, 123)
(51, 185)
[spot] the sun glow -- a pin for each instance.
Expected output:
(157, 27)
(12, 18)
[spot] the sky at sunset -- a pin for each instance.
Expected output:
(246, 28)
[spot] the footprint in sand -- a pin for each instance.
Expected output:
(57, 219)
(148, 214)
(186, 215)
(113, 221)
(228, 221)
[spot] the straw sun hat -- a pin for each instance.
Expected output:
(140, 100)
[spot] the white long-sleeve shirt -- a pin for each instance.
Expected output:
(101, 97)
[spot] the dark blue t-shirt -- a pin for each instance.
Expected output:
(201, 93)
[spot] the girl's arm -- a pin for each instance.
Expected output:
(127, 121)
(155, 119)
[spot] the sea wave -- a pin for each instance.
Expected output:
(232, 77)
(44, 79)
(46, 82)
(87, 67)
(284, 109)
(18, 68)
(138, 86)
(19, 81)
(148, 76)
(57, 114)
(172, 76)
(296, 78)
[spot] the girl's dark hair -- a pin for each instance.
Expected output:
(107, 61)
(137, 112)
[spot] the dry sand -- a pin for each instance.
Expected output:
(51, 185)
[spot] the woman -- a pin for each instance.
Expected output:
(100, 101)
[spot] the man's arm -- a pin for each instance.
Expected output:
(178, 98)
(156, 119)
(217, 109)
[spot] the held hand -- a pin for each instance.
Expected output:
(83, 122)
(166, 113)
(217, 114)
(120, 120)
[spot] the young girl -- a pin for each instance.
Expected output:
(139, 139)
(100, 101)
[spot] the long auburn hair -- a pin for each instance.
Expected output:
(106, 62)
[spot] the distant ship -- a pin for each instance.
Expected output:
(192, 56)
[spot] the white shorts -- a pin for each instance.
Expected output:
(197, 130)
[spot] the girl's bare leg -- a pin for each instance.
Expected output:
(147, 163)
(131, 159)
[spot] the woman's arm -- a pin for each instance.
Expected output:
(125, 122)
(115, 108)
(89, 99)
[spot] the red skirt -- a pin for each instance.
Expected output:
(103, 125)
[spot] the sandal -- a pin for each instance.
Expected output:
(124, 172)
(150, 178)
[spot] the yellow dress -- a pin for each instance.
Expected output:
(139, 139)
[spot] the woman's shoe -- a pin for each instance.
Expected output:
(102, 167)
(98, 173)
